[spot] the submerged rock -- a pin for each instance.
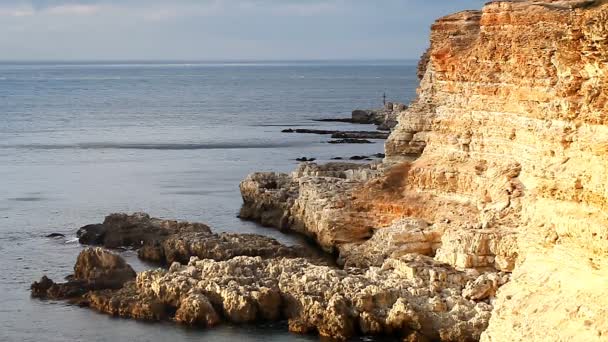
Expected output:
(341, 134)
(350, 141)
(55, 235)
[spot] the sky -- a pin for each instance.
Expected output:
(219, 29)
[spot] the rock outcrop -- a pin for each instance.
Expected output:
(168, 241)
(385, 118)
(95, 269)
(498, 165)
(412, 296)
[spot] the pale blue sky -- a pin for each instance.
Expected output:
(219, 29)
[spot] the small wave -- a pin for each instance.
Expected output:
(154, 146)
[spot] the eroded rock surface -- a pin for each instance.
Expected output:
(95, 269)
(410, 295)
(498, 165)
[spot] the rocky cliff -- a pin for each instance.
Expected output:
(499, 164)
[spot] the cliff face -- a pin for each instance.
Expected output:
(499, 164)
(512, 119)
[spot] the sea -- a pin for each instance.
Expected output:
(81, 140)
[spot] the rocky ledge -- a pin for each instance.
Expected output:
(258, 279)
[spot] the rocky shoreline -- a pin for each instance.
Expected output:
(484, 221)
(244, 278)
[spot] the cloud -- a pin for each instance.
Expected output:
(74, 9)
(219, 29)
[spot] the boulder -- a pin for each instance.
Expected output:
(102, 269)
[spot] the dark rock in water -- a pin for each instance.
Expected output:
(337, 158)
(304, 159)
(385, 118)
(379, 155)
(166, 241)
(363, 116)
(122, 230)
(341, 134)
(350, 141)
(55, 235)
(91, 234)
(358, 157)
(360, 135)
(48, 289)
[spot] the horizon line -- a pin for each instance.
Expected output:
(201, 61)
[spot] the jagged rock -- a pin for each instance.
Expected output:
(485, 286)
(102, 269)
(223, 246)
(255, 278)
(46, 288)
(197, 310)
(168, 241)
(400, 297)
(127, 302)
(95, 269)
(310, 201)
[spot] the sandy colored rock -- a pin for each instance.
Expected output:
(95, 269)
(405, 294)
(502, 154)
(102, 269)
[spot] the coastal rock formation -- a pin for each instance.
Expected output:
(168, 241)
(385, 118)
(134, 230)
(410, 296)
(95, 269)
(498, 165)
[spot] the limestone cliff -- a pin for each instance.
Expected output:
(499, 164)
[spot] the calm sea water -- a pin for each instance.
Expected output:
(80, 141)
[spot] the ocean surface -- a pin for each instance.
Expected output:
(81, 140)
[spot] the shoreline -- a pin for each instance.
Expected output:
(489, 203)
(247, 278)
